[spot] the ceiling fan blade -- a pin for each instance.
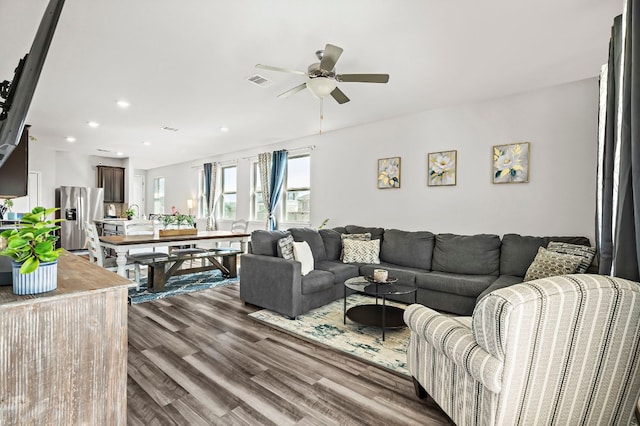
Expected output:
(293, 91)
(270, 68)
(340, 97)
(330, 57)
(363, 78)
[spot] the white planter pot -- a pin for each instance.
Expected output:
(43, 279)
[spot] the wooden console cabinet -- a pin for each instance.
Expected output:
(112, 180)
(63, 354)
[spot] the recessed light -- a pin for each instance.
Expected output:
(146, 143)
(224, 129)
(70, 139)
(93, 124)
(123, 104)
(119, 153)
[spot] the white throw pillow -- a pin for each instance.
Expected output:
(355, 251)
(302, 253)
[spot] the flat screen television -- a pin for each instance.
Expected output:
(16, 95)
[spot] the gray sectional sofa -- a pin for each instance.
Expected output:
(451, 271)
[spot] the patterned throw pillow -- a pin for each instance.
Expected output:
(356, 251)
(359, 237)
(285, 247)
(549, 264)
(585, 252)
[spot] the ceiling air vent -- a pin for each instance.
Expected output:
(170, 129)
(259, 80)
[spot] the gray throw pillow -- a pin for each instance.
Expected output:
(285, 248)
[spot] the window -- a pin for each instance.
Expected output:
(229, 178)
(257, 204)
(158, 195)
(202, 199)
(297, 190)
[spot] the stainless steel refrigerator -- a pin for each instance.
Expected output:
(78, 205)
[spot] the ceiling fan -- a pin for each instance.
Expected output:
(322, 79)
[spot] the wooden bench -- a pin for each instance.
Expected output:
(162, 267)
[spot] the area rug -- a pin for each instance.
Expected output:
(324, 325)
(180, 284)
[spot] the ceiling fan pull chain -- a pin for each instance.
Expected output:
(321, 114)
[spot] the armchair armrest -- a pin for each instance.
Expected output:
(456, 342)
(271, 282)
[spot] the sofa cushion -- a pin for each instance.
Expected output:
(549, 264)
(587, 253)
(316, 281)
(517, 253)
(313, 238)
(266, 242)
(376, 233)
(446, 282)
(467, 254)
(413, 249)
(285, 248)
(302, 253)
(502, 282)
(360, 251)
(332, 243)
(403, 274)
(341, 271)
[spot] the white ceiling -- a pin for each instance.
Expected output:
(185, 64)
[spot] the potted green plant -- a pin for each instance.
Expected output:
(32, 247)
(167, 220)
(130, 213)
(8, 204)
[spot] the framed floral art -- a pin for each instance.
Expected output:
(511, 163)
(389, 173)
(442, 169)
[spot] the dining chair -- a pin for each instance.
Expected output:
(239, 226)
(141, 228)
(96, 252)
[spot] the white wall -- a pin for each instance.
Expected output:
(42, 159)
(560, 122)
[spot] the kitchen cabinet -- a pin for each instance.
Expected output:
(112, 180)
(14, 172)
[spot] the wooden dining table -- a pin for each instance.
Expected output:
(121, 244)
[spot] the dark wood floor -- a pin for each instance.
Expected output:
(197, 359)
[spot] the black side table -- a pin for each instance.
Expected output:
(377, 315)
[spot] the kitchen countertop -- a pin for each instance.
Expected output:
(122, 220)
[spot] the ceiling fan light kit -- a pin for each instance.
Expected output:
(321, 86)
(322, 79)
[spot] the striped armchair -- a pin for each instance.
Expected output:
(555, 351)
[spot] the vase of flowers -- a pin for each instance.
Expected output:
(32, 248)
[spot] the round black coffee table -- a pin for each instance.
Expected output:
(378, 315)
